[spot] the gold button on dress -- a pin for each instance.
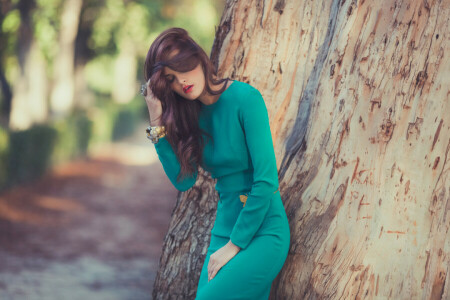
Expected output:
(243, 198)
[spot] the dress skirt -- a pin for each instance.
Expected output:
(250, 273)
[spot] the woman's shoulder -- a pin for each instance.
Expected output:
(246, 99)
(245, 87)
(246, 92)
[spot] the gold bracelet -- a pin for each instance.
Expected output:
(154, 133)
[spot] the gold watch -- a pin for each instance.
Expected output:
(154, 133)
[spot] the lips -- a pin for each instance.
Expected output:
(188, 88)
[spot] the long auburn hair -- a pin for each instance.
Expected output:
(179, 115)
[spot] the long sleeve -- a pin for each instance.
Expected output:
(171, 165)
(255, 123)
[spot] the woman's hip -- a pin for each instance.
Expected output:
(249, 274)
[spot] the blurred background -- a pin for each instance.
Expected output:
(84, 201)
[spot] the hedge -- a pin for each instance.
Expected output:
(27, 154)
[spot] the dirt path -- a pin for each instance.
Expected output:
(90, 229)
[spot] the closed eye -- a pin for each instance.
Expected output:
(170, 78)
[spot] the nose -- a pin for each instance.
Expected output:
(181, 81)
(179, 78)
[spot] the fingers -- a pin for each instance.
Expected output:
(210, 268)
(148, 87)
(144, 88)
(218, 259)
(213, 267)
(212, 271)
(147, 91)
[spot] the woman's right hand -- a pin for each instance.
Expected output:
(154, 106)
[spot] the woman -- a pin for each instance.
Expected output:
(222, 126)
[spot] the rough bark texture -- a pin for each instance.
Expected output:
(358, 98)
(187, 240)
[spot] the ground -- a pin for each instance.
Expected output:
(89, 229)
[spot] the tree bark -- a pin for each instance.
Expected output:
(358, 99)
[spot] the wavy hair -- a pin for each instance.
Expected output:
(179, 115)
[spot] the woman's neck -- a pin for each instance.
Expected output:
(209, 99)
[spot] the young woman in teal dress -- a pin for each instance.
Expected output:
(221, 125)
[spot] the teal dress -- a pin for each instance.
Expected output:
(250, 211)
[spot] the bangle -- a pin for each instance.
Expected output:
(154, 133)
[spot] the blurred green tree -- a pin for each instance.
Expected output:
(57, 56)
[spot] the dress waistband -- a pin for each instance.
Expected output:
(235, 182)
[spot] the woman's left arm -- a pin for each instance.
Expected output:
(255, 120)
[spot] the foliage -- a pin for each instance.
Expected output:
(107, 29)
(73, 135)
(27, 154)
(114, 121)
(112, 26)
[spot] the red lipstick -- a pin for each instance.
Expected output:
(187, 89)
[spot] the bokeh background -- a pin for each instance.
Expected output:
(84, 201)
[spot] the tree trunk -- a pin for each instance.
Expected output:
(125, 69)
(62, 96)
(5, 88)
(29, 96)
(357, 94)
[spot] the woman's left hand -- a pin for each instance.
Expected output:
(219, 258)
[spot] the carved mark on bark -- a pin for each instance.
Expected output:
(279, 6)
(332, 71)
(443, 167)
(437, 291)
(436, 134)
(421, 78)
(387, 129)
(262, 13)
(414, 128)
(427, 265)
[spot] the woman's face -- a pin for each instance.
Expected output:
(189, 85)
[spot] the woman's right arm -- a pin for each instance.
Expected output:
(171, 165)
(166, 154)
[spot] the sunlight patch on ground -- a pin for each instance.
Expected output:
(135, 150)
(59, 204)
(11, 213)
(126, 153)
